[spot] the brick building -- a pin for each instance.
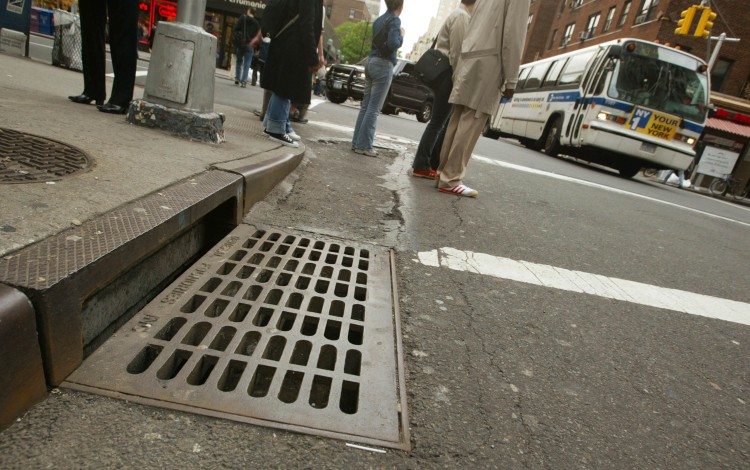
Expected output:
(558, 26)
(341, 11)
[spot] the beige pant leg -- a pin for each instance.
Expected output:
(461, 137)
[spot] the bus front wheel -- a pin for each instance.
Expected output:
(550, 141)
(628, 171)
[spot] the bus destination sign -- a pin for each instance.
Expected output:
(660, 125)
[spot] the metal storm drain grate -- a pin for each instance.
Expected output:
(272, 328)
(26, 158)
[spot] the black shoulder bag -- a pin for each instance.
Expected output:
(432, 65)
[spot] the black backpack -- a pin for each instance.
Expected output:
(245, 30)
(239, 35)
(380, 40)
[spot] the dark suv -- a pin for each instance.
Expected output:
(407, 93)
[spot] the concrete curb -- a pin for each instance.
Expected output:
(86, 281)
(20, 358)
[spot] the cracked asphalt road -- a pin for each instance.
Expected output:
(499, 374)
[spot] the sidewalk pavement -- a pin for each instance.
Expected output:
(91, 247)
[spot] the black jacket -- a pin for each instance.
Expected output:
(287, 69)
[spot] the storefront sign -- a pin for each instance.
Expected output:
(237, 6)
(168, 11)
(717, 162)
(732, 116)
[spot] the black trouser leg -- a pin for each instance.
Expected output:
(441, 110)
(93, 18)
(123, 43)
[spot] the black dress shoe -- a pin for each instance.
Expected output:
(85, 99)
(112, 108)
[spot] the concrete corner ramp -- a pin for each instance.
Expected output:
(20, 358)
(289, 330)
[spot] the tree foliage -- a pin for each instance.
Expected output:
(356, 40)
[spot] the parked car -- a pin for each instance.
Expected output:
(407, 92)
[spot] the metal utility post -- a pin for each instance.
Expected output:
(191, 12)
(179, 92)
(721, 39)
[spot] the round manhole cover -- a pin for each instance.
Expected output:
(26, 158)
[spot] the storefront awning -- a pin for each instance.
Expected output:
(728, 126)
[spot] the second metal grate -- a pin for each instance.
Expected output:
(273, 326)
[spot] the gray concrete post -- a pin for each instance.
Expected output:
(191, 12)
(179, 92)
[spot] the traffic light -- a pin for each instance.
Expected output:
(687, 20)
(705, 24)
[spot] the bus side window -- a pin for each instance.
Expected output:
(554, 73)
(607, 67)
(535, 77)
(573, 72)
(522, 78)
(593, 67)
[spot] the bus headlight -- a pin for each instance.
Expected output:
(683, 138)
(603, 116)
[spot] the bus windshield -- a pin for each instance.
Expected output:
(667, 86)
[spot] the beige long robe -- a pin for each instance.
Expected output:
(490, 54)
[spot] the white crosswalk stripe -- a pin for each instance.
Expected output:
(588, 283)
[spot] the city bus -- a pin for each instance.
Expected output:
(626, 104)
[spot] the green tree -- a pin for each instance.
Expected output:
(356, 40)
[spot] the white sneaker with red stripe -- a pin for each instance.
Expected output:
(460, 190)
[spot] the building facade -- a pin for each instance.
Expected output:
(374, 7)
(424, 42)
(342, 11)
(558, 26)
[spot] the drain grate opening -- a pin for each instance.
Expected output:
(174, 365)
(144, 359)
(231, 376)
(202, 370)
(261, 382)
(349, 397)
(293, 331)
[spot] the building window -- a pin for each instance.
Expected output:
(562, 6)
(745, 93)
(647, 11)
(624, 14)
(576, 4)
(567, 34)
(591, 25)
(531, 18)
(719, 73)
(552, 41)
(610, 17)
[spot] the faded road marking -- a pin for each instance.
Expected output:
(587, 283)
(581, 182)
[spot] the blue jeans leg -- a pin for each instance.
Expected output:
(378, 76)
(246, 64)
(277, 115)
(244, 60)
